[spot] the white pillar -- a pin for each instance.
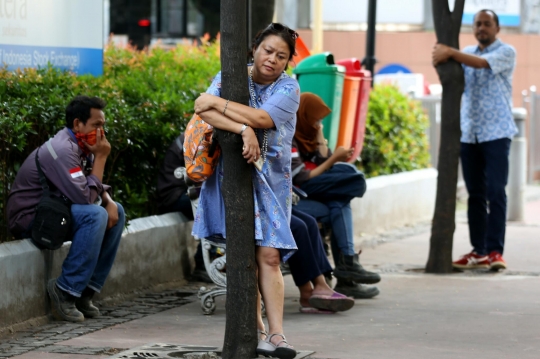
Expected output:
(317, 27)
(517, 177)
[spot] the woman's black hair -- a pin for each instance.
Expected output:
(288, 35)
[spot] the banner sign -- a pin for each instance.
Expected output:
(68, 34)
(508, 11)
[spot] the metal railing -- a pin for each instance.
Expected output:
(531, 101)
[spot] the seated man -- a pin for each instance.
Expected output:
(73, 162)
(172, 196)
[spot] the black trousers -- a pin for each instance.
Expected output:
(310, 260)
(485, 170)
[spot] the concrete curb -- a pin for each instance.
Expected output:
(395, 200)
(154, 250)
(159, 249)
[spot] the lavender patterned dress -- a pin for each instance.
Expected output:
(272, 188)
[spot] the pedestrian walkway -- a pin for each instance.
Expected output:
(473, 315)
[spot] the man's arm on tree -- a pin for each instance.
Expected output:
(441, 53)
(477, 62)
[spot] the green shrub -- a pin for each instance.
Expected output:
(396, 139)
(149, 98)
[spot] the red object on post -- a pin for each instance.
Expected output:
(144, 23)
(353, 69)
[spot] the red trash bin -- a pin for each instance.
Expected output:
(353, 68)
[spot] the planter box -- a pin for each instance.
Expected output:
(395, 200)
(154, 250)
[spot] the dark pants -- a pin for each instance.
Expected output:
(342, 182)
(310, 260)
(183, 205)
(485, 170)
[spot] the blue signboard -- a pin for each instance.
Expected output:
(78, 60)
(66, 34)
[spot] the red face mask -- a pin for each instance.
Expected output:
(90, 138)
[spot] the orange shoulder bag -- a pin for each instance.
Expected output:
(200, 153)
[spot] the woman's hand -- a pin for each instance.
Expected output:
(204, 103)
(251, 150)
(341, 154)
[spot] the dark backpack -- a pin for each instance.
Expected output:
(52, 223)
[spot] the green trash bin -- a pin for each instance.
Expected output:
(320, 75)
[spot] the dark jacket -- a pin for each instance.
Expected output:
(169, 187)
(65, 167)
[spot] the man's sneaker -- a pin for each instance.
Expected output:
(349, 268)
(64, 303)
(471, 261)
(355, 290)
(496, 261)
(85, 306)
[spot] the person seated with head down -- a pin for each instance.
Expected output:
(330, 184)
(73, 162)
(172, 196)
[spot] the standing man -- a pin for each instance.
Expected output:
(73, 161)
(487, 127)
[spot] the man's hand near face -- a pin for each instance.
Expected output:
(101, 151)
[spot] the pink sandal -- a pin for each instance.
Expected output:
(336, 302)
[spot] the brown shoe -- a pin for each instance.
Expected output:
(64, 303)
(85, 306)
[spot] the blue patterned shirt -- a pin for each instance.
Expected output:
(486, 105)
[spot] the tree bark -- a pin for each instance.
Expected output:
(447, 27)
(237, 190)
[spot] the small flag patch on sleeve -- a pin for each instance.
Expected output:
(76, 172)
(295, 153)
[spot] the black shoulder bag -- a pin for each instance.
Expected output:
(52, 224)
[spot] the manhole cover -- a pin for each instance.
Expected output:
(168, 351)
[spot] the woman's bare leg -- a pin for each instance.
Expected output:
(272, 288)
(260, 323)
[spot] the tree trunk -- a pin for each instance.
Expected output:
(447, 27)
(237, 189)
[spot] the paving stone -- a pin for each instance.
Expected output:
(82, 331)
(43, 343)
(45, 337)
(119, 313)
(150, 311)
(112, 322)
(61, 338)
